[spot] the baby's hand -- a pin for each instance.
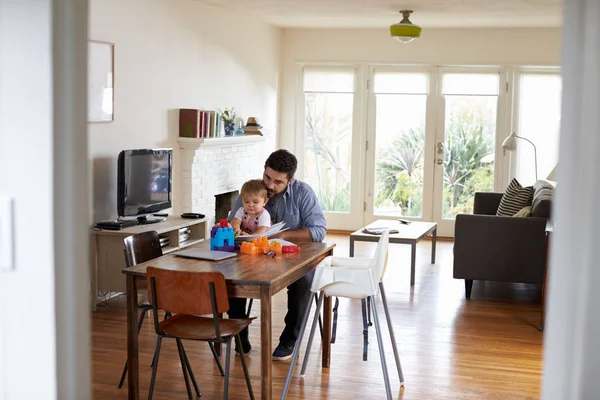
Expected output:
(238, 232)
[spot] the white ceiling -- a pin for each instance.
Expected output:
(382, 13)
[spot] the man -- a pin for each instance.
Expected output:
(295, 203)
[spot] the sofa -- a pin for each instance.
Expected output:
(488, 247)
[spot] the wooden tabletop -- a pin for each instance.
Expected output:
(251, 269)
(416, 230)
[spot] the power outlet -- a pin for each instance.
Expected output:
(6, 234)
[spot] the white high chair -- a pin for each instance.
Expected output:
(354, 278)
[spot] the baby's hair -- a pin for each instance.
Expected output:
(254, 186)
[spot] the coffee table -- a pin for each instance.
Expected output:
(407, 234)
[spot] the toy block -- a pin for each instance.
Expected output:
(249, 248)
(276, 247)
(262, 243)
(221, 237)
(223, 223)
(290, 249)
(229, 249)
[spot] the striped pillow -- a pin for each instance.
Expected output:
(514, 199)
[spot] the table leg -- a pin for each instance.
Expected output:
(265, 343)
(326, 332)
(351, 246)
(413, 259)
(133, 378)
(433, 245)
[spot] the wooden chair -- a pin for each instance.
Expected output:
(187, 295)
(140, 248)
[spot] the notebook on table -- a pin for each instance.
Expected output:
(201, 254)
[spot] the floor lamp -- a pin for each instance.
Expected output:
(510, 144)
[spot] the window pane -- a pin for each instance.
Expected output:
(539, 121)
(401, 83)
(329, 81)
(468, 151)
(471, 84)
(328, 148)
(400, 144)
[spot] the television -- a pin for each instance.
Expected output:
(144, 182)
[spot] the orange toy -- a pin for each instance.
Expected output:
(262, 243)
(276, 247)
(249, 248)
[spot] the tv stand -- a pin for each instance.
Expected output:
(107, 246)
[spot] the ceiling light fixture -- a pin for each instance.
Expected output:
(405, 31)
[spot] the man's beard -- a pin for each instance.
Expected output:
(270, 193)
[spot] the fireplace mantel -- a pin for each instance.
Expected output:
(194, 144)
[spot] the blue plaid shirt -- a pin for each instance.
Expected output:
(298, 207)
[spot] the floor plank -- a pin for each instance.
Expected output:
(450, 348)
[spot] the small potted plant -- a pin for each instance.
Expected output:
(228, 117)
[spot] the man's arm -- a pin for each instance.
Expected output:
(312, 219)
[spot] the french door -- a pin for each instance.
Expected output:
(434, 137)
(330, 140)
(398, 142)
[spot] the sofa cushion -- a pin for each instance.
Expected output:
(514, 199)
(542, 199)
(524, 212)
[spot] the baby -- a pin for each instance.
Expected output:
(252, 218)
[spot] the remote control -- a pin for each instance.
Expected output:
(161, 215)
(404, 221)
(192, 215)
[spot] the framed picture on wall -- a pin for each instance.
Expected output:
(101, 63)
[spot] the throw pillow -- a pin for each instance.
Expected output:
(514, 199)
(524, 212)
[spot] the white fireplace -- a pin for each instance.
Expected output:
(209, 167)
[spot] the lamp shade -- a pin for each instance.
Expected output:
(510, 143)
(405, 31)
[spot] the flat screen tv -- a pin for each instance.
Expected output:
(144, 181)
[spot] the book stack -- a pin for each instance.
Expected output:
(199, 123)
(184, 234)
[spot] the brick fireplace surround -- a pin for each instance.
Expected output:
(214, 166)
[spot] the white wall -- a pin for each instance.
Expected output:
(27, 327)
(535, 46)
(176, 54)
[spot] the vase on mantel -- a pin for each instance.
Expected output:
(229, 129)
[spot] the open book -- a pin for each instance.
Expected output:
(273, 230)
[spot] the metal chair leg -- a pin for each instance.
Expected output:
(335, 317)
(320, 322)
(227, 362)
(249, 309)
(189, 367)
(184, 369)
(167, 315)
(386, 377)
(139, 328)
(154, 367)
(369, 300)
(288, 379)
(312, 335)
(392, 337)
(216, 357)
(246, 374)
(365, 329)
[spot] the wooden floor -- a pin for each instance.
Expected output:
(450, 348)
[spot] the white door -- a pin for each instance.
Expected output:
(329, 141)
(401, 115)
(433, 137)
(471, 124)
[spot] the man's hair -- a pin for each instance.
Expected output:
(283, 161)
(254, 186)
